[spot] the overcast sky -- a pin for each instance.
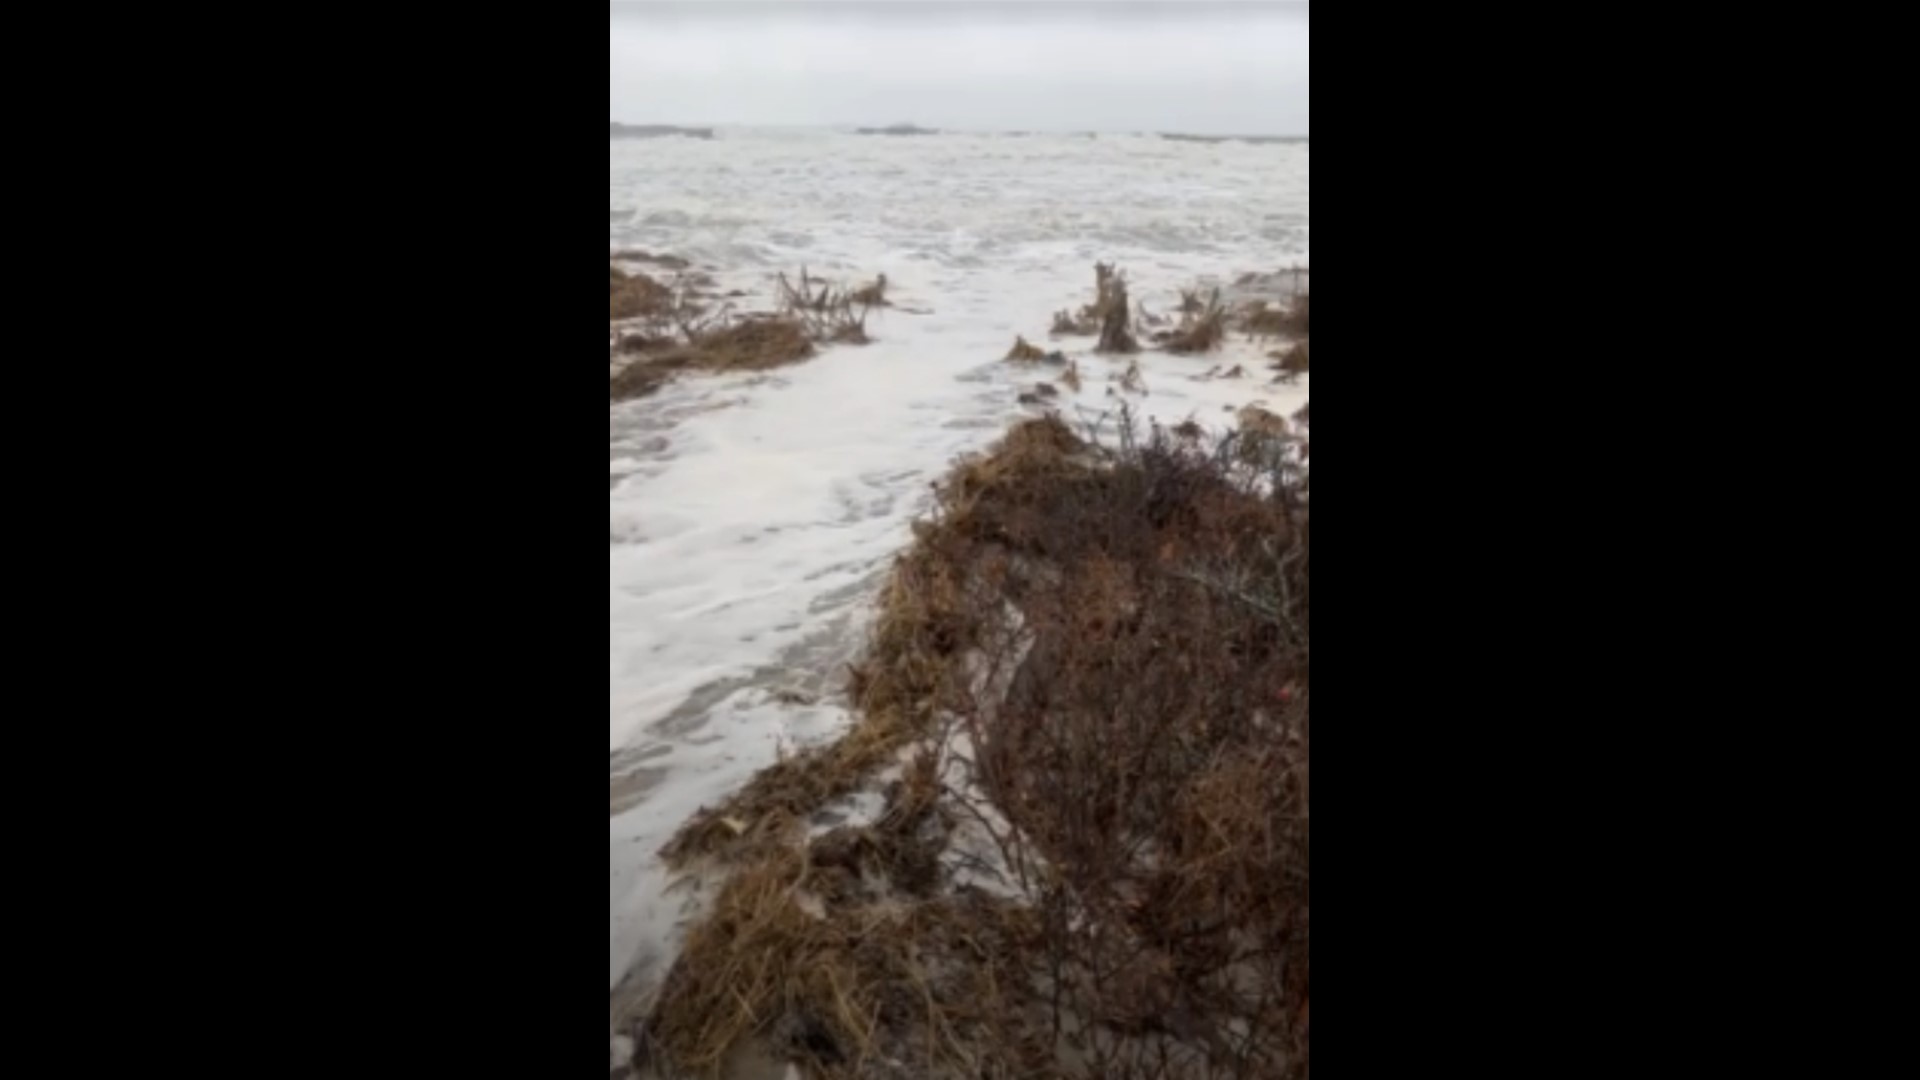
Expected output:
(1200, 66)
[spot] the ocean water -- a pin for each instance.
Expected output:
(752, 518)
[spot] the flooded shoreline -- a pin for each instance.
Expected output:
(753, 517)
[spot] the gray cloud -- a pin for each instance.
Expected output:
(1201, 67)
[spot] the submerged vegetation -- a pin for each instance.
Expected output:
(661, 328)
(636, 295)
(1292, 363)
(830, 313)
(1109, 315)
(1025, 352)
(1086, 699)
(1203, 325)
(1205, 319)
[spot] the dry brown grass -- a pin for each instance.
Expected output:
(1203, 325)
(1066, 324)
(756, 344)
(636, 295)
(661, 307)
(673, 327)
(1146, 752)
(1110, 315)
(1113, 312)
(841, 957)
(1292, 363)
(1257, 420)
(751, 344)
(637, 381)
(1169, 801)
(1025, 352)
(830, 313)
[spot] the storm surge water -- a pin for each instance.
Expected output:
(753, 517)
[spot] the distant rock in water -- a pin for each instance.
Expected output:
(1255, 139)
(655, 131)
(898, 129)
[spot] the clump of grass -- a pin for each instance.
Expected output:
(831, 313)
(1262, 320)
(751, 344)
(1113, 312)
(1025, 352)
(804, 956)
(660, 305)
(1066, 324)
(1203, 325)
(1109, 316)
(637, 381)
(1292, 363)
(1256, 420)
(679, 329)
(1266, 441)
(636, 295)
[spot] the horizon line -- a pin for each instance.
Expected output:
(716, 124)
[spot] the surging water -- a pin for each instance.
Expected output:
(752, 519)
